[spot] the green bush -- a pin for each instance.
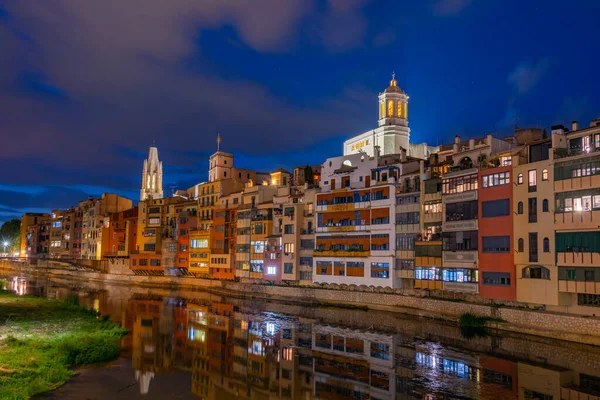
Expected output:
(88, 350)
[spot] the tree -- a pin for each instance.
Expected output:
(308, 175)
(10, 232)
(545, 134)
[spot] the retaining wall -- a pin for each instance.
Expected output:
(580, 329)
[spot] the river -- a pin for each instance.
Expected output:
(186, 344)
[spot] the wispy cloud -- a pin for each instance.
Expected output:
(449, 7)
(343, 25)
(526, 76)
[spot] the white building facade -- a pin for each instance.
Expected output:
(392, 134)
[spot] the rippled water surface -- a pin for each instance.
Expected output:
(193, 344)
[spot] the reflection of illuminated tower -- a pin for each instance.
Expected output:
(150, 349)
(152, 176)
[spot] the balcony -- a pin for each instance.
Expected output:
(564, 153)
(307, 231)
(459, 197)
(581, 259)
(570, 286)
(461, 287)
(341, 253)
(460, 259)
(428, 284)
(405, 274)
(465, 225)
(343, 228)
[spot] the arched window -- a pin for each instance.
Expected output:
(400, 109)
(382, 111)
(546, 245)
(520, 208)
(520, 179)
(466, 163)
(536, 272)
(521, 245)
(545, 205)
(390, 108)
(545, 175)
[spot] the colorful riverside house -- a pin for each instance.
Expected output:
(577, 215)
(186, 222)
(428, 246)
(460, 218)
(355, 229)
(409, 224)
(156, 231)
(119, 233)
(222, 255)
(199, 252)
(251, 233)
(533, 221)
(496, 255)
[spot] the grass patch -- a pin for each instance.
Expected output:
(42, 340)
(469, 320)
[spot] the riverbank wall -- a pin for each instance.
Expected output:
(579, 329)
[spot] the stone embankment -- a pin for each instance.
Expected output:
(515, 317)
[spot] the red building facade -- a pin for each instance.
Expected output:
(496, 255)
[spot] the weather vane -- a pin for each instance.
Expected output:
(393, 75)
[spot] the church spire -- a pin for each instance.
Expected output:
(151, 176)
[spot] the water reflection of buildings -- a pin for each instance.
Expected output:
(157, 329)
(251, 350)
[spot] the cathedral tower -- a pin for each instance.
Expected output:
(393, 112)
(152, 176)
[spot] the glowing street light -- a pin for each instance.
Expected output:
(5, 244)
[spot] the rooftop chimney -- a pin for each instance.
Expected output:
(574, 125)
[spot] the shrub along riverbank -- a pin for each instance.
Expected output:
(42, 340)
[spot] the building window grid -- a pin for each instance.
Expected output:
(459, 184)
(498, 179)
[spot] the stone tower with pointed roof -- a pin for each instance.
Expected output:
(152, 176)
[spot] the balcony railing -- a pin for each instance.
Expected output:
(341, 253)
(563, 153)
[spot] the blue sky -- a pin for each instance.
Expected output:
(90, 85)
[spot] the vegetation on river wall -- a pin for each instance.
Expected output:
(42, 340)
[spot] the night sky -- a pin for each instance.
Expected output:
(87, 85)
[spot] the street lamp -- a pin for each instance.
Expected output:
(5, 244)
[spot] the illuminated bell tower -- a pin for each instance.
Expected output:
(393, 115)
(152, 176)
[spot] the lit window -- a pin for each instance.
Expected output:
(382, 110)
(532, 178)
(271, 270)
(399, 109)
(199, 243)
(390, 108)
(545, 175)
(520, 179)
